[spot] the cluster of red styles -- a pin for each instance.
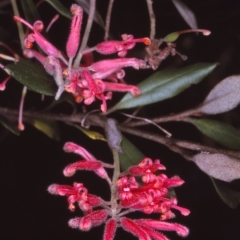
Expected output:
(90, 80)
(141, 188)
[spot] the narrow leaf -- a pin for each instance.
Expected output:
(85, 4)
(220, 132)
(91, 134)
(229, 196)
(60, 8)
(166, 84)
(9, 125)
(186, 13)
(218, 166)
(50, 128)
(33, 76)
(223, 97)
(130, 156)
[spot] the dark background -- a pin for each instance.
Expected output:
(31, 162)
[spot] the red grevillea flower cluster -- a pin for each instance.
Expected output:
(148, 195)
(90, 80)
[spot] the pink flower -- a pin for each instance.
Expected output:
(110, 47)
(86, 82)
(98, 168)
(74, 36)
(148, 196)
(46, 46)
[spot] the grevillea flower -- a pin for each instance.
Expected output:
(89, 81)
(151, 195)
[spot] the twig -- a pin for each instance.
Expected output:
(179, 146)
(184, 148)
(108, 19)
(152, 19)
(168, 134)
(171, 118)
(116, 172)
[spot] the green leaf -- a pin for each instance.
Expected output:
(30, 11)
(229, 196)
(91, 134)
(171, 37)
(33, 76)
(220, 132)
(224, 97)
(218, 165)
(60, 8)
(9, 125)
(131, 155)
(166, 84)
(50, 128)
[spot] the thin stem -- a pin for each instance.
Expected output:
(116, 172)
(176, 117)
(108, 19)
(175, 145)
(86, 33)
(179, 146)
(151, 122)
(19, 25)
(20, 122)
(152, 19)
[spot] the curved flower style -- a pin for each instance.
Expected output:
(148, 196)
(92, 80)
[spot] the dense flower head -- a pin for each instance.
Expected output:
(89, 81)
(150, 195)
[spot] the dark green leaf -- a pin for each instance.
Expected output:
(166, 84)
(131, 155)
(33, 76)
(30, 11)
(220, 132)
(9, 125)
(229, 196)
(218, 166)
(50, 128)
(223, 97)
(60, 8)
(85, 4)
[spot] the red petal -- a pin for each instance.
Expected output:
(132, 227)
(81, 165)
(110, 229)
